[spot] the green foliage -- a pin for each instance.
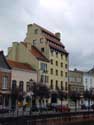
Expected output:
(74, 96)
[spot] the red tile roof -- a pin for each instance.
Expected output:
(36, 53)
(24, 66)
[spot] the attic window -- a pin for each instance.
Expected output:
(34, 42)
(42, 49)
(36, 31)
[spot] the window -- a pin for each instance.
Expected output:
(13, 85)
(36, 31)
(42, 78)
(51, 52)
(56, 63)
(61, 73)
(42, 49)
(5, 82)
(66, 66)
(56, 54)
(51, 84)
(66, 57)
(66, 86)
(56, 84)
(43, 67)
(61, 64)
(56, 72)
(21, 85)
(78, 79)
(27, 87)
(61, 56)
(66, 74)
(62, 85)
(46, 79)
(51, 71)
(51, 61)
(34, 42)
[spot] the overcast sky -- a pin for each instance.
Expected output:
(73, 18)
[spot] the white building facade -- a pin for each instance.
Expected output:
(88, 81)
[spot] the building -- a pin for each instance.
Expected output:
(45, 52)
(51, 46)
(88, 79)
(76, 81)
(22, 73)
(25, 53)
(40, 45)
(5, 81)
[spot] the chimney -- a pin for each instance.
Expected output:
(58, 35)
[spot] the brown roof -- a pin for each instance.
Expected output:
(53, 39)
(36, 53)
(14, 64)
(58, 48)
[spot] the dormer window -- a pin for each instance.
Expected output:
(56, 54)
(34, 42)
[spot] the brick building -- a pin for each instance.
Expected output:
(5, 81)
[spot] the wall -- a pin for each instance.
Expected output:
(23, 75)
(54, 77)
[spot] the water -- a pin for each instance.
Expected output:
(83, 123)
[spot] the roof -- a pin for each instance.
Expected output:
(46, 31)
(91, 70)
(54, 41)
(3, 62)
(58, 48)
(76, 71)
(18, 65)
(36, 53)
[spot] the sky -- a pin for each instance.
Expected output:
(74, 19)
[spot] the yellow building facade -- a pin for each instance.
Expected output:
(50, 45)
(53, 64)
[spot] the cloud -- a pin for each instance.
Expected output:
(73, 18)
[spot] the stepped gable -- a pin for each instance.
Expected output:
(54, 41)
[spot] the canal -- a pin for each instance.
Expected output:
(83, 123)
